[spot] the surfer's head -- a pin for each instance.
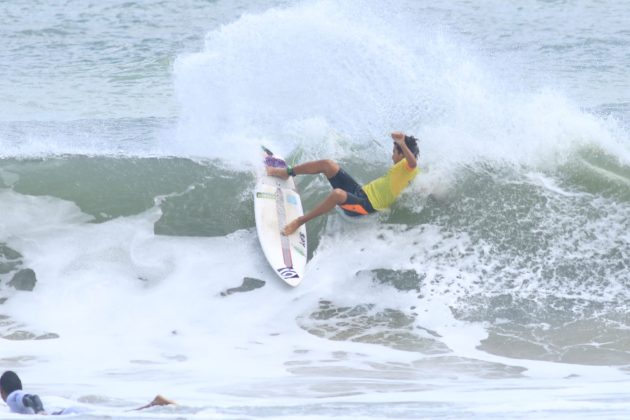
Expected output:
(9, 382)
(412, 144)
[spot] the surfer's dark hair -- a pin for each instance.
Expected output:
(412, 144)
(9, 382)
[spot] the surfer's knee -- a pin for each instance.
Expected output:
(339, 195)
(330, 167)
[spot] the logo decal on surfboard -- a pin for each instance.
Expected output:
(292, 200)
(288, 273)
(303, 239)
(265, 195)
(299, 250)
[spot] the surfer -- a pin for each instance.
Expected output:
(23, 403)
(347, 193)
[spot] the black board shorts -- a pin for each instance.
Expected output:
(357, 203)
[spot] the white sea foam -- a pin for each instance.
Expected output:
(266, 74)
(138, 314)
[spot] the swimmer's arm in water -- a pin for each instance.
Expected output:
(158, 400)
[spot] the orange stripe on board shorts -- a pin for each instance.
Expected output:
(354, 208)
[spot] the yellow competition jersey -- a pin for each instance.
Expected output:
(383, 191)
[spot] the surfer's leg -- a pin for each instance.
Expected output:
(327, 167)
(337, 196)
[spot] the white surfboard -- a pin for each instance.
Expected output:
(276, 203)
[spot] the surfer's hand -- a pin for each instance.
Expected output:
(399, 137)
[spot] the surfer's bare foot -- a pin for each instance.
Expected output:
(291, 227)
(277, 172)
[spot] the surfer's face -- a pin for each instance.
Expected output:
(396, 155)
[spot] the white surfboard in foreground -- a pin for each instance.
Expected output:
(276, 203)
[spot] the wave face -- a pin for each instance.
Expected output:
(127, 239)
(528, 193)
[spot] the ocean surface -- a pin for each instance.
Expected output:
(496, 287)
